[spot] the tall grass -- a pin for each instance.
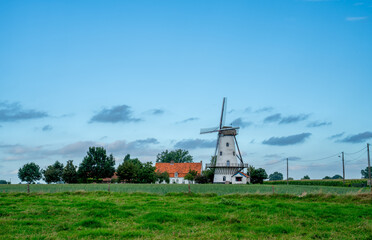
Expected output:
(103, 215)
(219, 189)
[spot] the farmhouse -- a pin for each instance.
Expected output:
(177, 171)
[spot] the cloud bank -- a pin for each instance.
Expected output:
(195, 143)
(289, 140)
(121, 113)
(294, 119)
(47, 128)
(188, 120)
(318, 124)
(264, 109)
(157, 111)
(273, 118)
(12, 112)
(239, 122)
(338, 135)
(357, 138)
(77, 150)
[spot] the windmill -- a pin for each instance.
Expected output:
(228, 161)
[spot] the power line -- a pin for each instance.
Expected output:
(299, 161)
(356, 151)
(311, 160)
(358, 158)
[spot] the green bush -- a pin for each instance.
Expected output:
(323, 182)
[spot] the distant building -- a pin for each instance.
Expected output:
(113, 178)
(178, 171)
(240, 178)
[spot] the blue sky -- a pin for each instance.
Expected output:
(140, 77)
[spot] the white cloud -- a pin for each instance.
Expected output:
(353, 19)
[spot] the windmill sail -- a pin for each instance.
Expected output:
(208, 130)
(223, 113)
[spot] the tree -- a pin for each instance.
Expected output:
(337, 176)
(365, 173)
(69, 174)
(129, 170)
(276, 176)
(201, 179)
(327, 177)
(250, 170)
(306, 177)
(191, 175)
(29, 173)
(96, 164)
(133, 171)
(162, 176)
(209, 174)
(147, 173)
(3, 182)
(53, 173)
(257, 175)
(178, 156)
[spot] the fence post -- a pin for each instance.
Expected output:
(287, 171)
(369, 169)
(28, 188)
(109, 186)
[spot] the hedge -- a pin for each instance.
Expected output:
(323, 182)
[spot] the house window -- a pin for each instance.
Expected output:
(176, 175)
(224, 178)
(228, 163)
(238, 179)
(234, 153)
(220, 153)
(227, 144)
(177, 180)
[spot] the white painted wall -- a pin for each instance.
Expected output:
(244, 179)
(179, 180)
(228, 157)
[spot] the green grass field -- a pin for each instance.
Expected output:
(219, 189)
(103, 215)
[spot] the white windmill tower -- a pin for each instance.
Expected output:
(228, 161)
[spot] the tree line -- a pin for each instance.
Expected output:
(97, 165)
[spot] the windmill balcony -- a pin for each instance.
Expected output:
(231, 165)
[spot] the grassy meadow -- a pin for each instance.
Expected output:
(104, 215)
(219, 189)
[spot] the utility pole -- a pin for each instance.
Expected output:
(369, 169)
(343, 168)
(287, 171)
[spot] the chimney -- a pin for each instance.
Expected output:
(172, 162)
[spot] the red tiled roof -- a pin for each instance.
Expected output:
(242, 174)
(181, 168)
